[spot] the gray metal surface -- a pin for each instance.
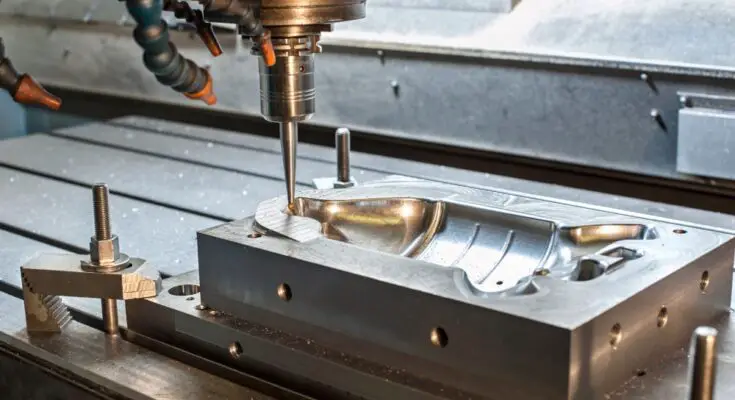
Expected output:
(663, 381)
(228, 149)
(15, 251)
(61, 212)
(287, 359)
(678, 31)
(187, 186)
(471, 260)
(706, 139)
(254, 155)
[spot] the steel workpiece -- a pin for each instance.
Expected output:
(599, 294)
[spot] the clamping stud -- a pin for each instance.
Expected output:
(107, 274)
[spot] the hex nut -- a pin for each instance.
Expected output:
(105, 255)
(344, 185)
(104, 252)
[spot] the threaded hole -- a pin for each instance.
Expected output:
(704, 281)
(439, 337)
(235, 350)
(184, 290)
(284, 292)
(616, 335)
(663, 317)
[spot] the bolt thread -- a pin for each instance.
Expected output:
(100, 194)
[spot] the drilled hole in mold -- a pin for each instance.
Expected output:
(439, 337)
(184, 290)
(616, 335)
(235, 350)
(663, 317)
(680, 231)
(704, 282)
(284, 292)
(255, 235)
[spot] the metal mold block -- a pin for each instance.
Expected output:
(474, 289)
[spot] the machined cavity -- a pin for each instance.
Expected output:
(499, 243)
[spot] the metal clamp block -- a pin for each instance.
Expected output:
(48, 276)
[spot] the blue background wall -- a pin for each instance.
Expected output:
(12, 117)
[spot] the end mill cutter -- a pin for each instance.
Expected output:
(287, 89)
(288, 96)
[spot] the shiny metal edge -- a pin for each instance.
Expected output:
(308, 365)
(272, 214)
(662, 381)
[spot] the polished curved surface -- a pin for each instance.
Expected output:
(396, 226)
(499, 242)
(495, 249)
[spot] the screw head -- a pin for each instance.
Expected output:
(105, 256)
(104, 251)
